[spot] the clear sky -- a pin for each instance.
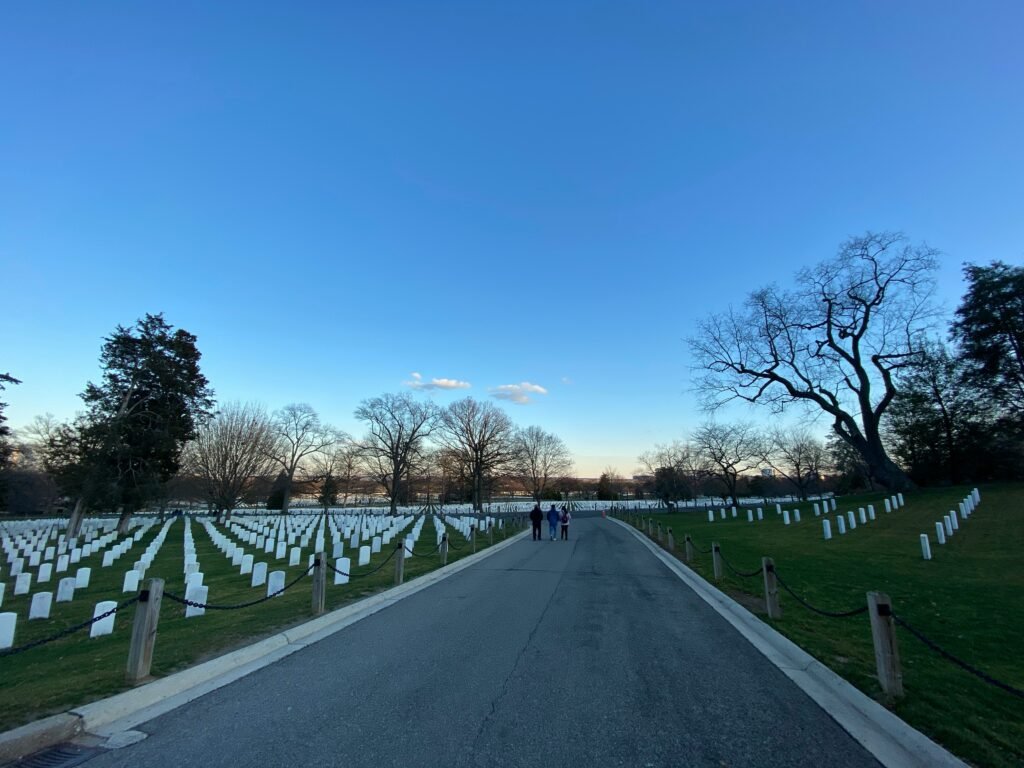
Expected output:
(336, 196)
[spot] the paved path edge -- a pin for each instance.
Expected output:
(123, 711)
(891, 741)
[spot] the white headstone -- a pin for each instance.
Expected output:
(722, 511)
(7, 622)
(62, 563)
(197, 593)
(851, 520)
(275, 583)
(40, 608)
(34, 559)
(375, 544)
(22, 584)
(48, 554)
(103, 626)
(760, 513)
(940, 533)
(364, 555)
(785, 517)
(45, 571)
(817, 511)
(948, 524)
(66, 590)
(833, 500)
(926, 550)
(750, 515)
(82, 577)
(827, 528)
(888, 505)
(734, 511)
(899, 496)
(194, 579)
(863, 516)
(294, 557)
(76, 555)
(3, 588)
(131, 581)
(778, 509)
(796, 515)
(871, 511)
(841, 525)
(953, 521)
(246, 564)
(281, 550)
(108, 558)
(343, 565)
(259, 575)
(711, 516)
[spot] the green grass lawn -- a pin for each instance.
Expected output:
(969, 599)
(76, 670)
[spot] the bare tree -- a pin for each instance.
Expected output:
(230, 452)
(834, 343)
(484, 434)
(731, 450)
(398, 426)
(330, 470)
(678, 470)
(298, 433)
(796, 455)
(540, 458)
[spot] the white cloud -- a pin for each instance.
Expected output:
(517, 393)
(417, 382)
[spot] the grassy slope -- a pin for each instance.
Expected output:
(969, 599)
(76, 670)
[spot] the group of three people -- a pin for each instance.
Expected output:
(554, 519)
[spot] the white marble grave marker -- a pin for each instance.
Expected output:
(275, 582)
(375, 544)
(339, 550)
(871, 511)
(841, 524)
(364, 555)
(940, 533)
(7, 622)
(926, 550)
(888, 505)
(62, 563)
(103, 626)
(899, 497)
(817, 512)
(760, 513)
(796, 515)
(826, 528)
(22, 584)
(833, 500)
(282, 550)
(66, 589)
(194, 579)
(785, 517)
(40, 608)
(197, 593)
(750, 515)
(259, 575)
(711, 516)
(342, 564)
(851, 520)
(949, 526)
(246, 564)
(953, 520)
(45, 572)
(295, 556)
(131, 581)
(723, 512)
(863, 516)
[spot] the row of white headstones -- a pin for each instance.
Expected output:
(949, 525)
(258, 532)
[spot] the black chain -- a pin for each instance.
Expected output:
(959, 662)
(361, 575)
(426, 554)
(808, 606)
(194, 604)
(741, 574)
(702, 551)
(69, 631)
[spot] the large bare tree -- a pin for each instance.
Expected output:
(398, 426)
(834, 342)
(484, 434)
(298, 433)
(730, 450)
(541, 457)
(332, 470)
(230, 452)
(678, 470)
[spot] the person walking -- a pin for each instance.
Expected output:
(553, 522)
(535, 517)
(565, 520)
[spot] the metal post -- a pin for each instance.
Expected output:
(147, 617)
(883, 633)
(716, 560)
(771, 589)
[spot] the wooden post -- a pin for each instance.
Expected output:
(660, 537)
(688, 549)
(400, 561)
(650, 527)
(472, 536)
(716, 560)
(147, 616)
(671, 541)
(319, 582)
(490, 531)
(444, 549)
(883, 633)
(771, 589)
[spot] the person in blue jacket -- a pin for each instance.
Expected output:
(553, 522)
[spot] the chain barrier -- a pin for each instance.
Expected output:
(360, 575)
(699, 549)
(741, 574)
(819, 611)
(959, 662)
(193, 604)
(434, 551)
(69, 631)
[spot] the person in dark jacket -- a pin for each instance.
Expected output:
(553, 522)
(535, 517)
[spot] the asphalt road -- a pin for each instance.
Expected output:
(580, 653)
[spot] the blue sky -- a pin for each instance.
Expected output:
(335, 196)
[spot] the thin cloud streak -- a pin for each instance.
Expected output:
(417, 382)
(517, 393)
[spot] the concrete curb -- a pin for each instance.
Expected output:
(890, 740)
(123, 711)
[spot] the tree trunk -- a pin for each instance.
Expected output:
(881, 468)
(124, 518)
(77, 516)
(286, 498)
